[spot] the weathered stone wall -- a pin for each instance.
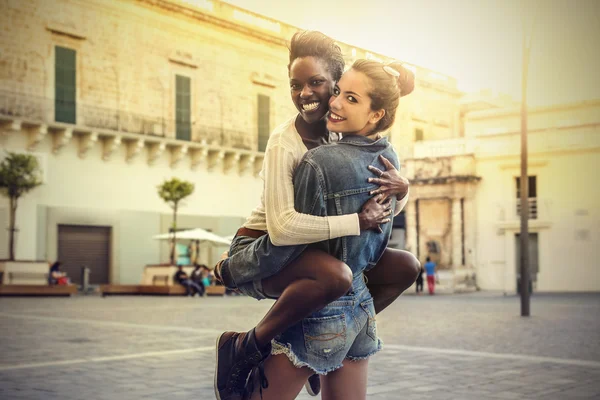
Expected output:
(128, 53)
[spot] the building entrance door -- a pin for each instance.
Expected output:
(533, 260)
(80, 245)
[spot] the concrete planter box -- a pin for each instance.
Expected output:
(162, 274)
(24, 272)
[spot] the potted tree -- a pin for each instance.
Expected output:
(172, 192)
(19, 174)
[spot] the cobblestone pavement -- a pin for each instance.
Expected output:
(470, 346)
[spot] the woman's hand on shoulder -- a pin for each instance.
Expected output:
(390, 182)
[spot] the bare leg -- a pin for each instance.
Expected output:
(393, 274)
(346, 383)
(307, 285)
(285, 380)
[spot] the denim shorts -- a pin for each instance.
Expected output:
(344, 329)
(253, 259)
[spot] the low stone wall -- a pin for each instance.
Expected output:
(154, 274)
(24, 272)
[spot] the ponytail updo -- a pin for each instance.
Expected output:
(389, 82)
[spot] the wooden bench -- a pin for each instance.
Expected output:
(109, 289)
(106, 290)
(164, 290)
(37, 290)
(215, 290)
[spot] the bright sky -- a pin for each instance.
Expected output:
(478, 42)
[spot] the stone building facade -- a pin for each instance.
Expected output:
(113, 97)
(464, 209)
(564, 200)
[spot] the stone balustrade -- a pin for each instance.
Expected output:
(179, 152)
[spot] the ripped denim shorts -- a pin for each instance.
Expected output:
(344, 329)
(253, 259)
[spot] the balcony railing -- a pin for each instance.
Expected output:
(22, 106)
(533, 208)
(117, 120)
(539, 208)
(41, 109)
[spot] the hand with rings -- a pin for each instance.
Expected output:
(390, 182)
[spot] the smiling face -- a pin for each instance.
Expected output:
(310, 86)
(350, 106)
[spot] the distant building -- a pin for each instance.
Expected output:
(464, 209)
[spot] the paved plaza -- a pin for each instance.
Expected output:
(468, 346)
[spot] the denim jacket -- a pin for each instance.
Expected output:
(332, 180)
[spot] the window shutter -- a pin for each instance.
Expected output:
(183, 99)
(65, 85)
(264, 128)
(418, 134)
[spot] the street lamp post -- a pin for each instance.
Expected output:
(524, 184)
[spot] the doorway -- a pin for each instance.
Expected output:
(80, 245)
(533, 260)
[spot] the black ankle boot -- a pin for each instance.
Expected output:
(237, 355)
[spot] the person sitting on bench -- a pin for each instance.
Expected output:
(198, 278)
(56, 276)
(191, 287)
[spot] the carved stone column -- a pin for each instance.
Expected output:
(470, 228)
(411, 226)
(457, 244)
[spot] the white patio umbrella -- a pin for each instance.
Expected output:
(195, 234)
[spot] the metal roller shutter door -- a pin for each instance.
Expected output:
(80, 245)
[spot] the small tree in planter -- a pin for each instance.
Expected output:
(19, 173)
(172, 192)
